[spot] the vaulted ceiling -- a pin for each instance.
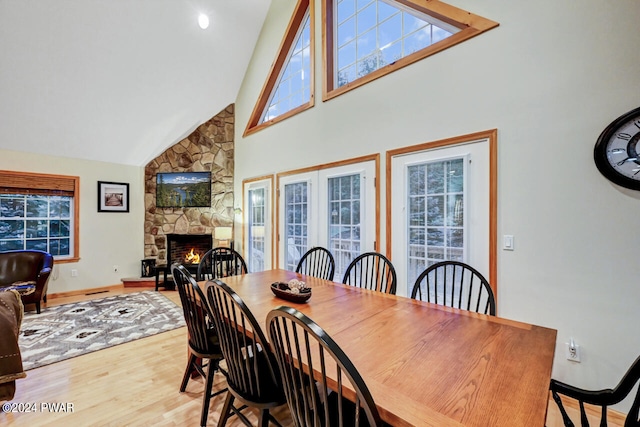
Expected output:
(118, 80)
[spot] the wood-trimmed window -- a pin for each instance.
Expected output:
(367, 39)
(40, 211)
(289, 88)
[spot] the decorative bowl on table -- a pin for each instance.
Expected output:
(294, 291)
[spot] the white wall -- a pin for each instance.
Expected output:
(549, 78)
(106, 238)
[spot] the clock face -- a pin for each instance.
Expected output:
(617, 151)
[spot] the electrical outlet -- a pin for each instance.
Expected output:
(572, 351)
(74, 273)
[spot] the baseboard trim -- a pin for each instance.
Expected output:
(84, 291)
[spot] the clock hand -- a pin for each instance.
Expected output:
(628, 159)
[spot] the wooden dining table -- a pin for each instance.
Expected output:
(424, 364)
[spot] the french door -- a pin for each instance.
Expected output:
(298, 196)
(440, 202)
(258, 221)
(333, 208)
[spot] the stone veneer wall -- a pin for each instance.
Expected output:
(208, 148)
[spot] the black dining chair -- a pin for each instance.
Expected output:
(202, 338)
(221, 262)
(317, 262)
(373, 271)
(299, 341)
(603, 398)
(455, 284)
(252, 373)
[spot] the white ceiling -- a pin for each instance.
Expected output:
(118, 80)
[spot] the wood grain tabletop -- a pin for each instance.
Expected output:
(425, 365)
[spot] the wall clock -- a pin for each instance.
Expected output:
(617, 150)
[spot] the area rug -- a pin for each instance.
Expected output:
(70, 330)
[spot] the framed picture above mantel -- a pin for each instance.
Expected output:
(113, 196)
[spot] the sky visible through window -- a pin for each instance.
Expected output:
(373, 33)
(294, 85)
(362, 41)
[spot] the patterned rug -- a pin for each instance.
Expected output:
(70, 330)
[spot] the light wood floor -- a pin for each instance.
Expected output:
(132, 384)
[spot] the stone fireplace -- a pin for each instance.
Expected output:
(209, 147)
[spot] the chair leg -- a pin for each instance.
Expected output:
(187, 372)
(263, 421)
(226, 410)
(44, 298)
(211, 371)
(38, 307)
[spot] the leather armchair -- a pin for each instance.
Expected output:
(27, 266)
(11, 312)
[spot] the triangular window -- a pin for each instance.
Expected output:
(293, 88)
(289, 87)
(366, 39)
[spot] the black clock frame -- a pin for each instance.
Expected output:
(600, 151)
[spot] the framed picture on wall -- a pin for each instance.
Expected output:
(113, 196)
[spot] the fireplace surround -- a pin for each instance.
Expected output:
(208, 148)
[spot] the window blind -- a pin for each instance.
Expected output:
(37, 184)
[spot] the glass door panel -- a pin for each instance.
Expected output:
(435, 200)
(344, 201)
(257, 215)
(296, 208)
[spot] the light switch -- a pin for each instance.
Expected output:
(507, 242)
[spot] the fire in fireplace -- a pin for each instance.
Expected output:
(192, 257)
(187, 248)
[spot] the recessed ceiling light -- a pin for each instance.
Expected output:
(203, 21)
